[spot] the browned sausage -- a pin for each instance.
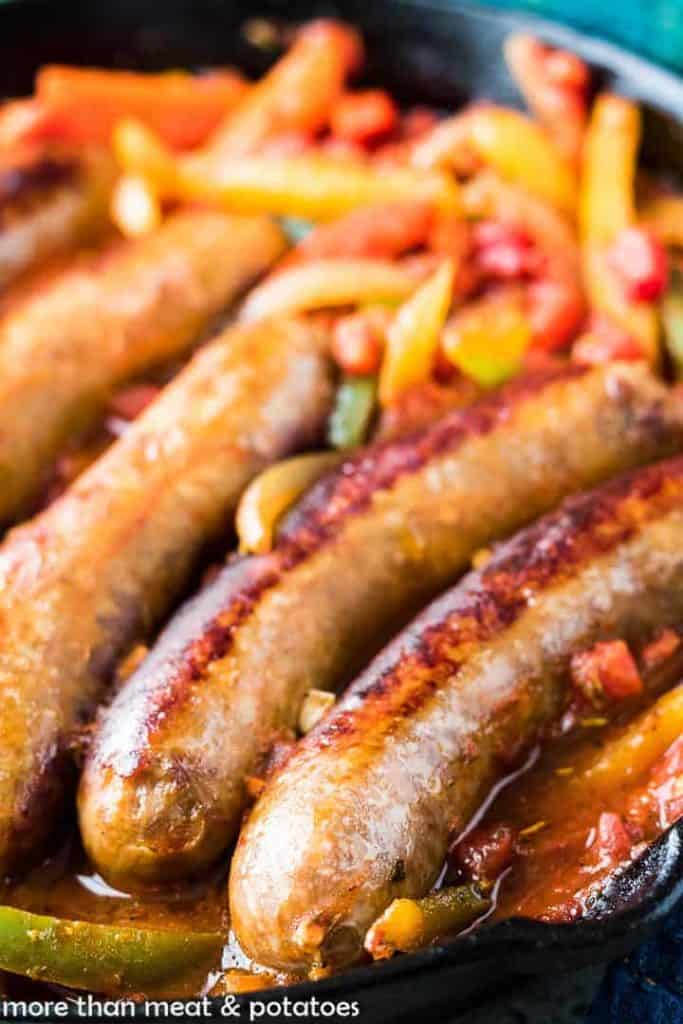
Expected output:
(164, 786)
(362, 812)
(94, 572)
(51, 201)
(70, 344)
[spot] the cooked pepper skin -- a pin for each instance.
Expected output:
(52, 200)
(83, 581)
(164, 785)
(106, 958)
(420, 737)
(65, 349)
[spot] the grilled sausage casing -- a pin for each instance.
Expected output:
(65, 349)
(362, 812)
(163, 788)
(95, 571)
(51, 200)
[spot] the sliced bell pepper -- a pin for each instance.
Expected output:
(554, 84)
(607, 208)
(509, 143)
(297, 94)
(270, 494)
(487, 339)
(607, 202)
(134, 207)
(520, 151)
(354, 408)
(310, 187)
(407, 925)
(328, 283)
(111, 959)
(664, 216)
(607, 295)
(413, 336)
(672, 320)
(384, 231)
(313, 187)
(83, 104)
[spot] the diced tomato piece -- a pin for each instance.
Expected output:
(605, 342)
(556, 309)
(592, 350)
(357, 345)
(671, 762)
(492, 232)
(640, 260)
(612, 840)
(661, 648)
(507, 261)
(417, 122)
(288, 144)
(364, 117)
(606, 670)
(129, 403)
(502, 251)
(342, 149)
(485, 853)
(566, 69)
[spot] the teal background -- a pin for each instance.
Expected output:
(653, 28)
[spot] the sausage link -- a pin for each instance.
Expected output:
(164, 786)
(84, 580)
(51, 202)
(68, 346)
(363, 810)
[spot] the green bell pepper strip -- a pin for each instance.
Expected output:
(105, 958)
(353, 411)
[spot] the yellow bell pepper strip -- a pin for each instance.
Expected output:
(664, 216)
(407, 925)
(111, 959)
(606, 208)
(413, 336)
(134, 207)
(271, 493)
(312, 187)
(520, 151)
(631, 754)
(325, 284)
(309, 187)
(143, 154)
(354, 408)
(511, 144)
(672, 320)
(237, 981)
(618, 761)
(487, 339)
(607, 202)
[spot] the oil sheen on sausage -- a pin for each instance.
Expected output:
(65, 349)
(52, 200)
(363, 810)
(164, 786)
(93, 573)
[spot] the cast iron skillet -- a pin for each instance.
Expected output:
(441, 53)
